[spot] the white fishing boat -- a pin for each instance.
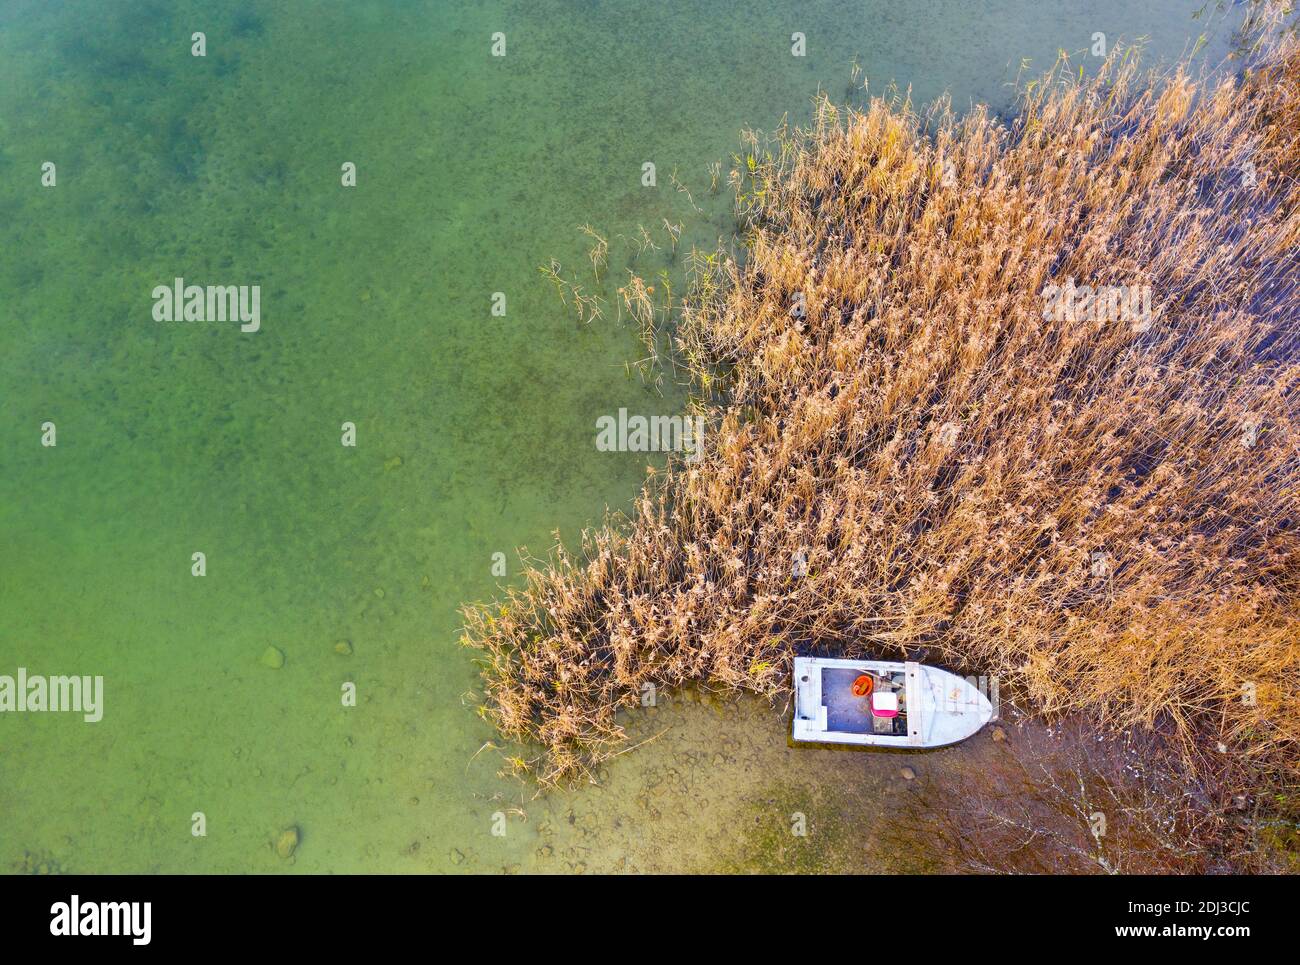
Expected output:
(884, 704)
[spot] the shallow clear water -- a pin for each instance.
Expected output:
(474, 432)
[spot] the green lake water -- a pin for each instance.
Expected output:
(474, 432)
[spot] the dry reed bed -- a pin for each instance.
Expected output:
(948, 460)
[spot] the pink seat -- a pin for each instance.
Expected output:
(884, 704)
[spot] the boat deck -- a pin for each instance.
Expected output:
(852, 715)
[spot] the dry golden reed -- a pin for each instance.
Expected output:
(1103, 511)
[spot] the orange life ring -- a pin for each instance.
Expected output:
(862, 686)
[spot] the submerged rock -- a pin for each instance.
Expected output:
(907, 773)
(273, 657)
(32, 863)
(343, 648)
(999, 735)
(287, 843)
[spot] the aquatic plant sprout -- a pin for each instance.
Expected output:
(949, 457)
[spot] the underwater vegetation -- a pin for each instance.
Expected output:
(940, 425)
